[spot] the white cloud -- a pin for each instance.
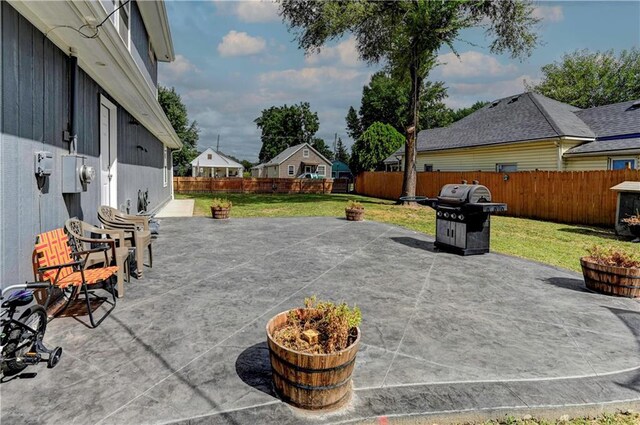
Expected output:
(257, 11)
(549, 13)
(345, 52)
(176, 70)
(309, 77)
(472, 64)
(240, 44)
(467, 93)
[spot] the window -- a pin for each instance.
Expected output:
(164, 167)
(322, 170)
(622, 164)
(121, 20)
(506, 168)
(307, 168)
(292, 170)
(209, 156)
(428, 167)
(305, 153)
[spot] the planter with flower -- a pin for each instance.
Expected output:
(612, 272)
(313, 352)
(220, 208)
(354, 211)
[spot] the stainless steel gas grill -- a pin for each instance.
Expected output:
(463, 217)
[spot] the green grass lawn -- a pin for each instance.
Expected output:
(560, 245)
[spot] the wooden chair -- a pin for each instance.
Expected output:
(55, 262)
(136, 232)
(80, 237)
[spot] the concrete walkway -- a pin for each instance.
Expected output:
(177, 208)
(443, 335)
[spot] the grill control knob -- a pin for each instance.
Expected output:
(439, 214)
(461, 217)
(453, 216)
(446, 215)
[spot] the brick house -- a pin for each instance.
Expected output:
(294, 161)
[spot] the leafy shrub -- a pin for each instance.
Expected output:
(335, 324)
(220, 203)
(633, 220)
(354, 205)
(609, 256)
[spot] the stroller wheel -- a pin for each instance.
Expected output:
(54, 357)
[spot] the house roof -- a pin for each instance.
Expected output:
(285, 154)
(610, 145)
(523, 117)
(217, 160)
(613, 120)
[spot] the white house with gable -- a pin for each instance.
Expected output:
(214, 164)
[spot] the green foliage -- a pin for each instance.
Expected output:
(221, 203)
(587, 79)
(458, 114)
(354, 128)
(407, 35)
(285, 126)
(176, 112)
(342, 154)
(246, 164)
(321, 146)
(354, 205)
(374, 146)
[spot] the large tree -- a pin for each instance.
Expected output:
(342, 154)
(176, 112)
(374, 146)
(285, 126)
(587, 79)
(319, 145)
(354, 128)
(407, 35)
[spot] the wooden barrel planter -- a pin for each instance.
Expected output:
(611, 280)
(310, 381)
(354, 214)
(220, 212)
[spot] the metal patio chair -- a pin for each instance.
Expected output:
(57, 263)
(81, 237)
(136, 228)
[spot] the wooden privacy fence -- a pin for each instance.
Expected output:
(579, 197)
(250, 185)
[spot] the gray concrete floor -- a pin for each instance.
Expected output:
(442, 334)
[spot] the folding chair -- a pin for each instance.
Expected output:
(55, 262)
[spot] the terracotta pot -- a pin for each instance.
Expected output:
(311, 381)
(611, 280)
(354, 214)
(220, 212)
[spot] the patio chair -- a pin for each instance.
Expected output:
(57, 263)
(136, 228)
(80, 236)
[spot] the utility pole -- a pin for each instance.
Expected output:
(218, 144)
(335, 144)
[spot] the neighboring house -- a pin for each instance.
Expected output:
(340, 170)
(532, 132)
(293, 161)
(82, 100)
(215, 164)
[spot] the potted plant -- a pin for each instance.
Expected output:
(354, 211)
(313, 351)
(633, 222)
(612, 272)
(220, 208)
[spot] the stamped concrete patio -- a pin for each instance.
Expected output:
(443, 335)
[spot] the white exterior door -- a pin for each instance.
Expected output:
(108, 153)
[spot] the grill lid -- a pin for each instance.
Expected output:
(456, 194)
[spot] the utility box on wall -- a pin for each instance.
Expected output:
(76, 174)
(628, 204)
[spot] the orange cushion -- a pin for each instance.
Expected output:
(92, 276)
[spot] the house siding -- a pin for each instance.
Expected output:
(34, 76)
(589, 163)
(528, 156)
(140, 39)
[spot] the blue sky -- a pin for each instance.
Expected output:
(236, 58)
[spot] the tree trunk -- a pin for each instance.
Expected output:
(409, 179)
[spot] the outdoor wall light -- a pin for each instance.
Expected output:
(142, 148)
(505, 177)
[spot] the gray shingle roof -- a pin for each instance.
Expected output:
(606, 146)
(612, 120)
(528, 116)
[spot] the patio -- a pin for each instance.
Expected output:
(442, 335)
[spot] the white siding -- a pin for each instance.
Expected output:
(587, 163)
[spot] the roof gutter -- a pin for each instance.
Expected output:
(604, 153)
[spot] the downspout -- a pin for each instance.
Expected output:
(559, 156)
(73, 100)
